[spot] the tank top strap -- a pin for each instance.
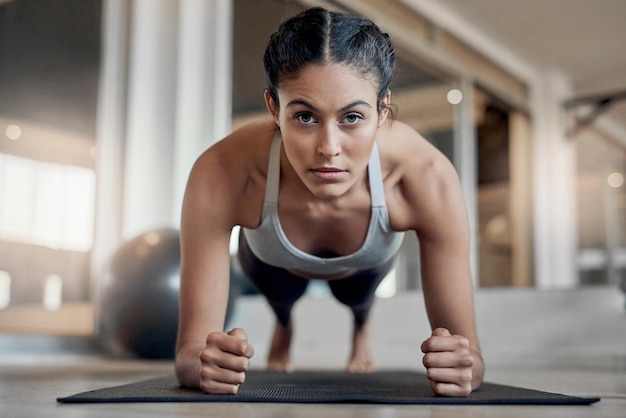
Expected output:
(377, 190)
(273, 171)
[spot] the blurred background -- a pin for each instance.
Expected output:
(105, 104)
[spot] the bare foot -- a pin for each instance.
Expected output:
(362, 359)
(279, 359)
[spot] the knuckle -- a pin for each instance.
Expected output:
(241, 378)
(463, 343)
(439, 389)
(242, 347)
(206, 375)
(207, 386)
(212, 336)
(439, 331)
(428, 359)
(239, 333)
(465, 390)
(466, 375)
(213, 387)
(467, 361)
(238, 365)
(208, 356)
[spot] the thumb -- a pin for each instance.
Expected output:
(441, 332)
(248, 349)
(239, 333)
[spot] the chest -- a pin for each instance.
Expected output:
(326, 230)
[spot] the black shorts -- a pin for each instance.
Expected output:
(282, 289)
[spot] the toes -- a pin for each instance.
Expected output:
(280, 366)
(361, 367)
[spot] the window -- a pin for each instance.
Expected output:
(46, 204)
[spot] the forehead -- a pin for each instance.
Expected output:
(331, 81)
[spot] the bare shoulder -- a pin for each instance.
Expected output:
(402, 147)
(232, 171)
(421, 184)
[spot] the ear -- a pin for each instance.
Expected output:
(271, 105)
(384, 106)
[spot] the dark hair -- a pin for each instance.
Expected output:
(318, 36)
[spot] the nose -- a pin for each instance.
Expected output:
(328, 143)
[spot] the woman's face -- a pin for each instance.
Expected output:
(329, 119)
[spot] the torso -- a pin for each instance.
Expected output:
(308, 222)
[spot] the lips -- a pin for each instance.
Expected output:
(329, 173)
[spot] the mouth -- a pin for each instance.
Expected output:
(329, 173)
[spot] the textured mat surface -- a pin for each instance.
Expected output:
(390, 387)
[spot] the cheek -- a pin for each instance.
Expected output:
(366, 137)
(297, 152)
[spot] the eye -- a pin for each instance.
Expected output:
(352, 118)
(305, 118)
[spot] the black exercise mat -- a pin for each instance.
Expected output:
(387, 387)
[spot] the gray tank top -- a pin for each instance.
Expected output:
(269, 243)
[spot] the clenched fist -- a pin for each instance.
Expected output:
(224, 361)
(448, 363)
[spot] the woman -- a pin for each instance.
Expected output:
(324, 190)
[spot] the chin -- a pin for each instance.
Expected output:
(328, 192)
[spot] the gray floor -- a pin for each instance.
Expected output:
(565, 342)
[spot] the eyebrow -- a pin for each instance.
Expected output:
(308, 105)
